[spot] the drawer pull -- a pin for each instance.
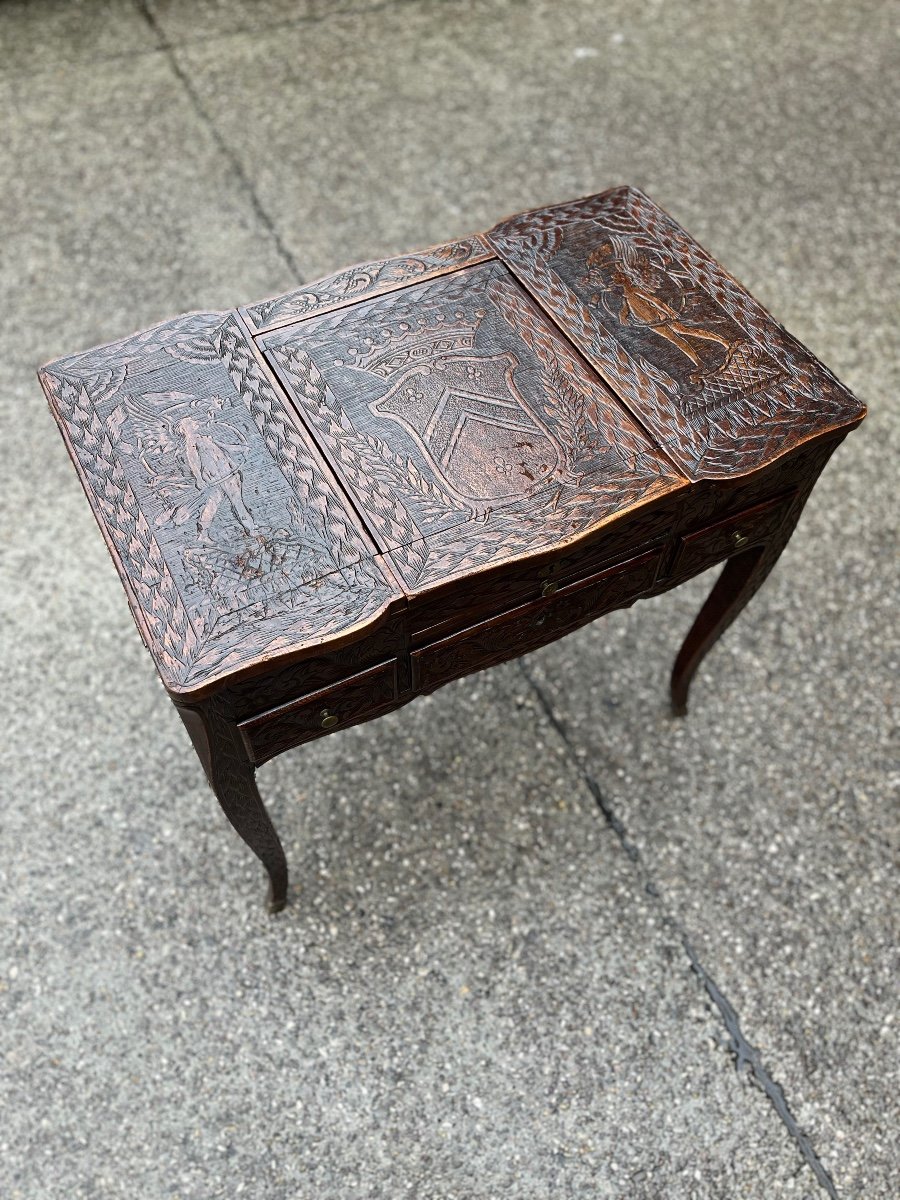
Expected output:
(531, 625)
(753, 527)
(365, 695)
(550, 588)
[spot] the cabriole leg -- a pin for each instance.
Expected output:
(742, 575)
(231, 777)
(740, 578)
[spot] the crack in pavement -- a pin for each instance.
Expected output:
(295, 22)
(746, 1056)
(166, 47)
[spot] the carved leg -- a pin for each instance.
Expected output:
(740, 578)
(231, 777)
(743, 574)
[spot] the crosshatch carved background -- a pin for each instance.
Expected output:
(435, 427)
(220, 514)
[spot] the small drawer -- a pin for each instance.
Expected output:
(531, 625)
(355, 699)
(481, 596)
(712, 544)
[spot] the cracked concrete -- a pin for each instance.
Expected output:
(537, 925)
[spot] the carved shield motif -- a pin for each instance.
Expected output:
(467, 416)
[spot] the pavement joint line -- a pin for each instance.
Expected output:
(165, 47)
(293, 22)
(237, 166)
(746, 1056)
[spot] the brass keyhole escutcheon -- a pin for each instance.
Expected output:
(549, 588)
(329, 720)
(740, 539)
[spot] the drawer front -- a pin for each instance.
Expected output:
(482, 596)
(356, 699)
(283, 685)
(712, 544)
(532, 625)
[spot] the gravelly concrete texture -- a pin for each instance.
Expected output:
(536, 922)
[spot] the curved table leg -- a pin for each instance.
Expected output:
(740, 578)
(231, 777)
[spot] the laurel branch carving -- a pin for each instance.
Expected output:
(368, 464)
(161, 607)
(571, 394)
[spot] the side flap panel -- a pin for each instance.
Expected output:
(698, 361)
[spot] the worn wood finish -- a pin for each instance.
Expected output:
(719, 383)
(327, 503)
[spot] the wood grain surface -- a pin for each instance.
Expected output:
(327, 503)
(700, 362)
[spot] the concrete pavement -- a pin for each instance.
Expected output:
(537, 924)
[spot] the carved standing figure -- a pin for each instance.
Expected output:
(194, 452)
(634, 282)
(215, 464)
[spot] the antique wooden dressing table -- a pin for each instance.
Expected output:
(326, 504)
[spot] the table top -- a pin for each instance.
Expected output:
(288, 475)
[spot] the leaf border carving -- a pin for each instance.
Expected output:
(754, 429)
(364, 280)
(187, 653)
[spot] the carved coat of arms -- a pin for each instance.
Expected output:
(471, 422)
(462, 408)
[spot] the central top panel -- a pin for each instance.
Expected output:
(465, 427)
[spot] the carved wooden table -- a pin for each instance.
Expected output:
(326, 504)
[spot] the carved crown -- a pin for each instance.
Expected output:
(395, 348)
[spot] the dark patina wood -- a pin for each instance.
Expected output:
(330, 502)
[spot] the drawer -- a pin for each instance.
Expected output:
(707, 546)
(532, 625)
(284, 684)
(355, 699)
(481, 596)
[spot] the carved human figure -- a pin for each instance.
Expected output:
(634, 283)
(176, 430)
(215, 460)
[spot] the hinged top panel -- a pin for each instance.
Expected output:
(231, 537)
(465, 427)
(721, 385)
(364, 280)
